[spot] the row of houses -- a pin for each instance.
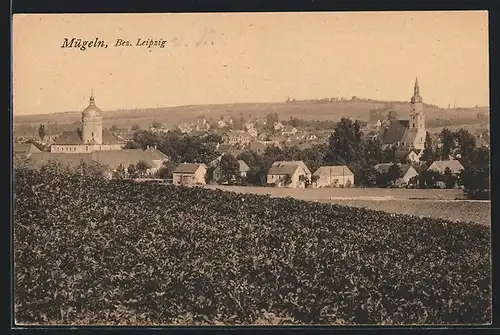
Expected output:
(295, 174)
(111, 159)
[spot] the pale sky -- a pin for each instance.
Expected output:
(249, 57)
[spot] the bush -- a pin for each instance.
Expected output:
(117, 252)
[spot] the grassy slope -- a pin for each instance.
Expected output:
(334, 111)
(142, 253)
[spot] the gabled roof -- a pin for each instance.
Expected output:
(188, 168)
(74, 138)
(125, 157)
(293, 163)
(440, 166)
(110, 138)
(40, 159)
(283, 169)
(394, 133)
(69, 137)
(335, 170)
(384, 167)
(156, 154)
(25, 148)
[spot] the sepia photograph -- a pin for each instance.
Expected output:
(251, 169)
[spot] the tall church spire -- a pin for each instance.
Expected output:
(416, 92)
(92, 99)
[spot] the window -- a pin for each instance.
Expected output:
(414, 125)
(87, 148)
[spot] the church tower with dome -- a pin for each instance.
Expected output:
(92, 123)
(92, 137)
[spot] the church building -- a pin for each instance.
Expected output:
(92, 137)
(407, 134)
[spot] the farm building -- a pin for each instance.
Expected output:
(188, 174)
(110, 159)
(407, 171)
(25, 149)
(287, 175)
(153, 158)
(300, 163)
(243, 168)
(440, 166)
(333, 176)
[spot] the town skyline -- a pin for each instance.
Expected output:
(250, 58)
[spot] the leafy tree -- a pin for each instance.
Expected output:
(368, 177)
(450, 179)
(166, 171)
(388, 155)
(465, 143)
(120, 172)
(475, 176)
(132, 145)
(430, 179)
(142, 167)
(345, 144)
(41, 131)
(428, 154)
(394, 173)
(304, 180)
(271, 119)
(372, 151)
(114, 128)
(209, 176)
(448, 143)
(132, 171)
(314, 179)
(135, 127)
(287, 180)
(229, 168)
(392, 115)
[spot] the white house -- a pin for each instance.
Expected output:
(333, 176)
(278, 175)
(407, 171)
(189, 174)
(440, 166)
(300, 163)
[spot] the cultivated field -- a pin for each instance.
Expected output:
(433, 203)
(91, 251)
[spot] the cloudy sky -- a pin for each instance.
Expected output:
(249, 57)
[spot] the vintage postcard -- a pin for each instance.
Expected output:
(316, 168)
